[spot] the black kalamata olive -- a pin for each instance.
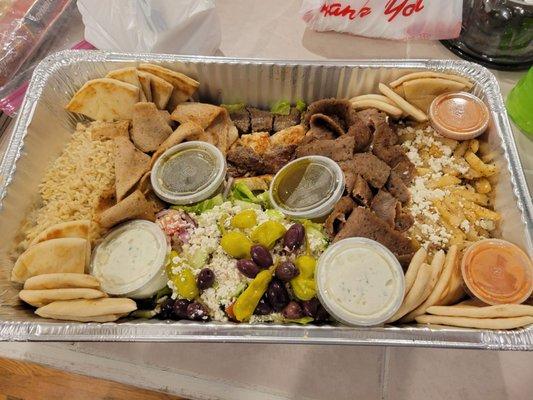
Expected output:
(205, 278)
(263, 307)
(180, 308)
(313, 308)
(197, 312)
(167, 309)
(321, 314)
(248, 268)
(277, 295)
(294, 237)
(261, 256)
(286, 271)
(293, 310)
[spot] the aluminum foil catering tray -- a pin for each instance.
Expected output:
(43, 127)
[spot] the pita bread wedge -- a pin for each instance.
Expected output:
(105, 99)
(442, 282)
(411, 110)
(200, 113)
(144, 79)
(130, 165)
(61, 281)
(42, 297)
(100, 318)
(429, 74)
(128, 75)
(182, 133)
(52, 256)
(148, 128)
(292, 135)
(136, 205)
(377, 97)
(184, 87)
(160, 90)
(418, 259)
(166, 116)
(421, 92)
(72, 229)
(479, 323)
(392, 110)
(84, 310)
(101, 130)
(498, 311)
(223, 131)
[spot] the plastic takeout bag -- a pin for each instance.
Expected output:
(154, 26)
(389, 19)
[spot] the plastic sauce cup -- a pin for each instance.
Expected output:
(497, 272)
(459, 116)
(188, 173)
(308, 187)
(360, 282)
(130, 260)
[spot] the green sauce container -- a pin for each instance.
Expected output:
(520, 103)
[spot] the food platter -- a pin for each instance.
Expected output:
(43, 126)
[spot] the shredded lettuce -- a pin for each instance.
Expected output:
(301, 321)
(300, 105)
(246, 205)
(198, 259)
(241, 192)
(232, 108)
(202, 206)
(281, 107)
(275, 215)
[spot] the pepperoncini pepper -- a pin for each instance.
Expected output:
(244, 219)
(170, 264)
(304, 286)
(185, 284)
(268, 233)
(236, 244)
(245, 305)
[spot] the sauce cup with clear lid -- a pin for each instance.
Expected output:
(308, 187)
(188, 173)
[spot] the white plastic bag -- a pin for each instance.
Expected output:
(389, 19)
(154, 26)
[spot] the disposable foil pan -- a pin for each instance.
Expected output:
(43, 127)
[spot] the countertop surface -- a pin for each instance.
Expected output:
(255, 28)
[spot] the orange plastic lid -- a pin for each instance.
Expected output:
(459, 116)
(497, 272)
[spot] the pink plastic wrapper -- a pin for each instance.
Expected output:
(388, 19)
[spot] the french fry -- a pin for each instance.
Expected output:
(482, 186)
(480, 211)
(478, 198)
(476, 163)
(473, 145)
(392, 110)
(460, 150)
(431, 74)
(443, 181)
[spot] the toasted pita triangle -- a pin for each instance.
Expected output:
(421, 92)
(39, 298)
(223, 131)
(136, 205)
(101, 130)
(52, 256)
(128, 75)
(60, 281)
(200, 113)
(87, 308)
(130, 166)
(148, 127)
(105, 99)
(183, 132)
(431, 74)
(144, 79)
(184, 87)
(76, 229)
(160, 89)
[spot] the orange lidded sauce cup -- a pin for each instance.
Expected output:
(459, 116)
(497, 272)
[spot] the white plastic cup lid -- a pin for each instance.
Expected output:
(321, 207)
(360, 282)
(197, 182)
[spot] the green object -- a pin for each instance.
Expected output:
(301, 321)
(236, 244)
(300, 105)
(304, 286)
(246, 303)
(185, 284)
(281, 107)
(268, 233)
(520, 103)
(232, 108)
(244, 219)
(202, 206)
(198, 259)
(242, 192)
